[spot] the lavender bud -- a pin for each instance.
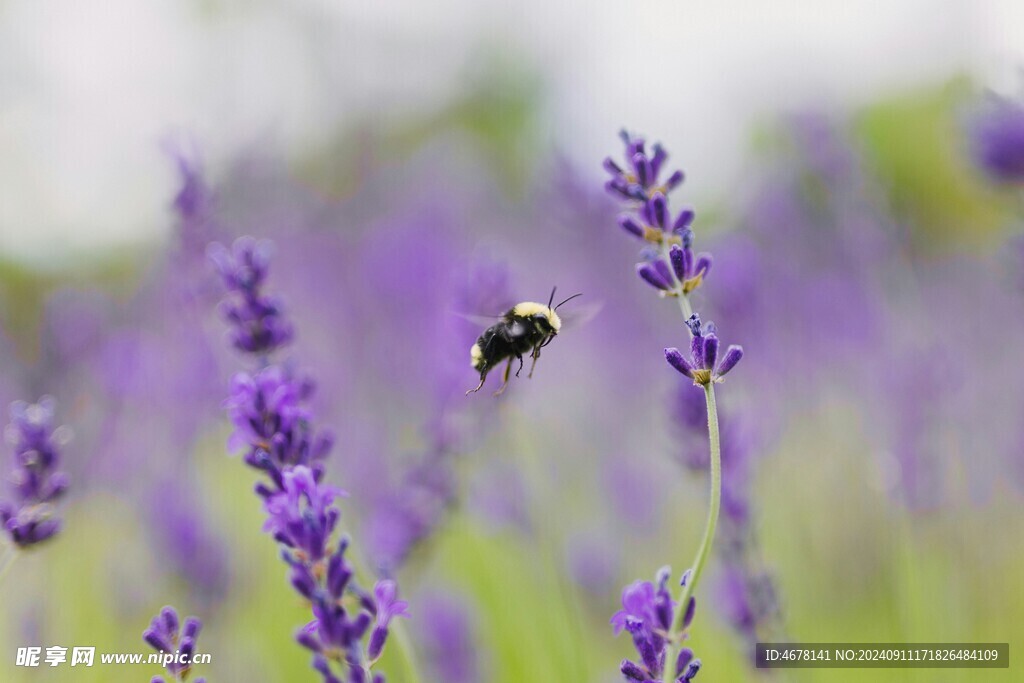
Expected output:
(658, 158)
(651, 276)
(632, 671)
(683, 660)
(703, 265)
(732, 356)
(676, 360)
(683, 222)
(710, 351)
(631, 225)
(377, 640)
(674, 181)
(691, 609)
(644, 173)
(677, 255)
(659, 210)
(697, 352)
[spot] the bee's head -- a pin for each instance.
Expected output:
(543, 318)
(547, 321)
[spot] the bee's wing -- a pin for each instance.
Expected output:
(483, 321)
(580, 315)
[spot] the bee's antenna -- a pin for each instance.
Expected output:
(552, 297)
(569, 299)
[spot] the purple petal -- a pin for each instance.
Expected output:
(697, 351)
(676, 360)
(710, 351)
(658, 158)
(732, 356)
(612, 167)
(631, 225)
(677, 255)
(644, 173)
(674, 181)
(659, 210)
(651, 276)
(683, 220)
(703, 264)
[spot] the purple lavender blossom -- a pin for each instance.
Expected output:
(257, 321)
(29, 517)
(167, 635)
(647, 612)
(192, 549)
(272, 421)
(996, 136)
(671, 267)
(301, 516)
(388, 607)
(639, 179)
(704, 365)
(195, 202)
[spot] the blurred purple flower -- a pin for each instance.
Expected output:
(302, 516)
(258, 325)
(168, 636)
(447, 637)
(647, 612)
(272, 423)
(592, 563)
(195, 203)
(996, 135)
(29, 517)
(196, 553)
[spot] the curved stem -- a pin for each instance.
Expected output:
(10, 553)
(709, 534)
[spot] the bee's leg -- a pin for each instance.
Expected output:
(520, 359)
(535, 355)
(504, 382)
(483, 378)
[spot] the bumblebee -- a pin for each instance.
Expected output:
(526, 327)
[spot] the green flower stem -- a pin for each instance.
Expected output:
(685, 307)
(709, 534)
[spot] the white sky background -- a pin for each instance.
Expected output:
(88, 89)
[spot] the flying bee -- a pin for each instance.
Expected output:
(526, 327)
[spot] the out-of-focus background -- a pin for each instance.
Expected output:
(412, 162)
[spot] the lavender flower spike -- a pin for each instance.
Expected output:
(273, 423)
(176, 641)
(704, 366)
(29, 518)
(258, 325)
